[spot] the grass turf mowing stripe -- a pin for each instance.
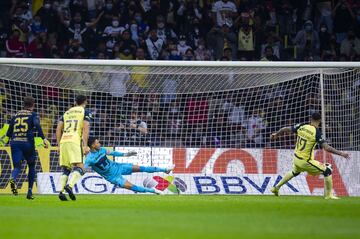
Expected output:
(149, 216)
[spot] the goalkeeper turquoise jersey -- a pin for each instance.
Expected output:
(107, 168)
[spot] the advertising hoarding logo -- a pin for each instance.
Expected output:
(171, 183)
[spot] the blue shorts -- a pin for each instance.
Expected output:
(123, 169)
(22, 151)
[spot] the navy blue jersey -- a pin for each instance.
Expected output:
(23, 126)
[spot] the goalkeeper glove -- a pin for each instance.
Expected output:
(41, 143)
(4, 140)
(129, 154)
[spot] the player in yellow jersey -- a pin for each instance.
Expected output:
(72, 135)
(308, 136)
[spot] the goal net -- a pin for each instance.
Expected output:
(212, 120)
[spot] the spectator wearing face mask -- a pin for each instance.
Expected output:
(182, 47)
(143, 28)
(350, 46)
(37, 26)
(307, 40)
(196, 32)
(224, 11)
(164, 32)
(114, 30)
(201, 53)
(174, 54)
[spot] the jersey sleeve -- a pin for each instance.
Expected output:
(37, 125)
(319, 137)
(88, 116)
(295, 128)
(11, 128)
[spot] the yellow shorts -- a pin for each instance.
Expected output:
(70, 153)
(313, 167)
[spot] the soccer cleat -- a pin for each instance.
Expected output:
(62, 197)
(332, 197)
(13, 187)
(68, 189)
(170, 169)
(158, 192)
(275, 191)
(30, 196)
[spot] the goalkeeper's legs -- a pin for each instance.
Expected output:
(139, 189)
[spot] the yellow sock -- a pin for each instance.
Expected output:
(328, 186)
(63, 181)
(75, 176)
(285, 179)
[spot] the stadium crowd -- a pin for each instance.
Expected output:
(225, 30)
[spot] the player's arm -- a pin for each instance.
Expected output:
(88, 162)
(120, 154)
(332, 150)
(284, 130)
(40, 131)
(86, 131)
(59, 130)
(85, 136)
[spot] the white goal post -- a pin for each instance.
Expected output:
(211, 119)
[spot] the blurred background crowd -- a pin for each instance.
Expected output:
(226, 30)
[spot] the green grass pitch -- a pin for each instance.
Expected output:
(150, 216)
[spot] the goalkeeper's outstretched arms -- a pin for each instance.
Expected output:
(332, 150)
(120, 154)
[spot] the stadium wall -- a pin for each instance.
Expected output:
(203, 171)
